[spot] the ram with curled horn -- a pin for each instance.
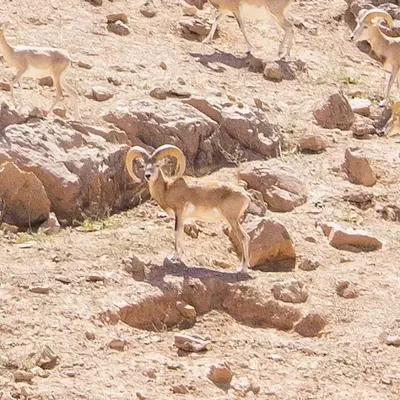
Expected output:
(385, 47)
(183, 200)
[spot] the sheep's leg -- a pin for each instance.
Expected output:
(74, 94)
(395, 70)
(244, 240)
(211, 34)
(242, 27)
(289, 34)
(16, 79)
(179, 233)
(59, 92)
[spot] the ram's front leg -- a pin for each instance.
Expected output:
(179, 233)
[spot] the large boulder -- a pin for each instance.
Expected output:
(271, 247)
(81, 173)
(358, 168)
(211, 132)
(23, 199)
(335, 113)
(279, 184)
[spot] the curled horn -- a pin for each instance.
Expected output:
(134, 153)
(377, 13)
(173, 151)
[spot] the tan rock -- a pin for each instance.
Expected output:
(186, 310)
(100, 93)
(347, 289)
(354, 240)
(336, 113)
(81, 173)
(24, 198)
(363, 128)
(119, 28)
(148, 9)
(51, 226)
(197, 25)
(272, 72)
(220, 374)
(358, 168)
(191, 343)
(313, 144)
(281, 188)
(117, 344)
(361, 106)
(293, 291)
(311, 325)
(270, 243)
(23, 376)
(117, 17)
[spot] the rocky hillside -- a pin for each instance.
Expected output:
(91, 307)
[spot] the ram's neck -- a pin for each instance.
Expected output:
(157, 190)
(379, 41)
(6, 49)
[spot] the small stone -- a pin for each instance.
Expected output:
(347, 289)
(293, 291)
(117, 17)
(309, 265)
(23, 376)
(117, 344)
(220, 374)
(312, 144)
(272, 72)
(51, 226)
(46, 358)
(180, 389)
(60, 112)
(70, 374)
(361, 106)
(189, 11)
(358, 168)
(100, 93)
(40, 289)
(163, 65)
(141, 396)
(186, 310)
(148, 9)
(393, 341)
(114, 80)
(84, 65)
(7, 228)
(150, 373)
(46, 81)
(95, 278)
(90, 335)
(159, 94)
(311, 325)
(37, 112)
(63, 279)
(119, 28)
(5, 86)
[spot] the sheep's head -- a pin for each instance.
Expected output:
(199, 4)
(365, 20)
(151, 161)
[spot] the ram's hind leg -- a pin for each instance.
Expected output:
(242, 27)
(244, 240)
(279, 13)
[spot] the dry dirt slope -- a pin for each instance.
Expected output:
(350, 360)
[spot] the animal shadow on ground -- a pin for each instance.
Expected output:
(157, 274)
(221, 57)
(252, 63)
